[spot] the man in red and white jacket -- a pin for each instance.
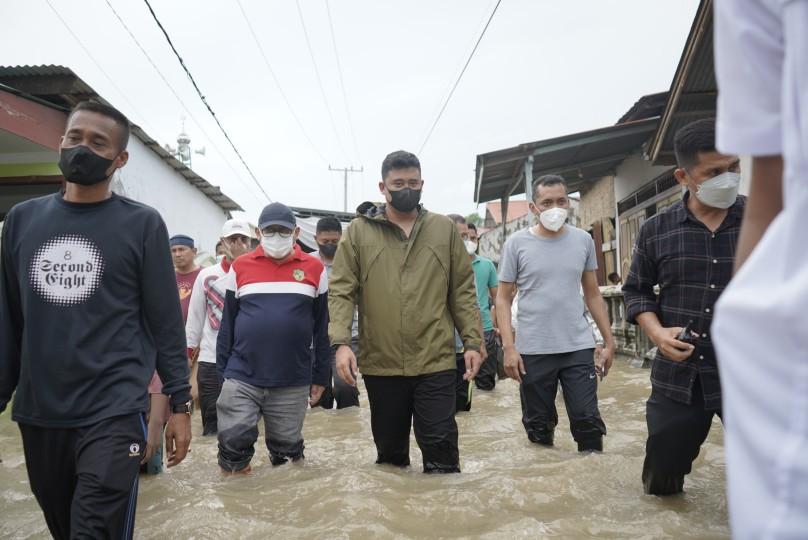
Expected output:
(276, 307)
(205, 317)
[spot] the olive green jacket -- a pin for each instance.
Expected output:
(411, 293)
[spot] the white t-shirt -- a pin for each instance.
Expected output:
(761, 324)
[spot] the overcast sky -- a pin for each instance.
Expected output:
(544, 68)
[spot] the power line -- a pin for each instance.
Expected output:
(97, 65)
(319, 80)
(457, 82)
(176, 95)
(278, 84)
(205, 101)
(342, 83)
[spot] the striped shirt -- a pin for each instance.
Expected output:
(273, 314)
(692, 266)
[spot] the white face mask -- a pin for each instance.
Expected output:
(719, 191)
(553, 219)
(277, 247)
(471, 247)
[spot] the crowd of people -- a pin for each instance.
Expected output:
(105, 365)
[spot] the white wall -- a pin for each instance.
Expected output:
(185, 209)
(632, 174)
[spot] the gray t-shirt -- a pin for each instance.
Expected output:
(547, 272)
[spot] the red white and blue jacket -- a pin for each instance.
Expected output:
(273, 315)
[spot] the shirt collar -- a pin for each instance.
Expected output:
(683, 213)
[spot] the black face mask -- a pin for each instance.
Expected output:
(329, 250)
(81, 165)
(405, 200)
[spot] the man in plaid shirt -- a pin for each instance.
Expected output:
(688, 251)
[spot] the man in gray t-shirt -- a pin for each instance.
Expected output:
(549, 265)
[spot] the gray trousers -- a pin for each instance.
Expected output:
(239, 408)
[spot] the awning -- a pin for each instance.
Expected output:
(580, 158)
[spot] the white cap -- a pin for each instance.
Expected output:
(236, 226)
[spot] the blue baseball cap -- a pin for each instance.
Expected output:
(181, 240)
(277, 214)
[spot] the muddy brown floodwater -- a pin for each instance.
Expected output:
(509, 487)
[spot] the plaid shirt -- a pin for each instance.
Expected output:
(692, 266)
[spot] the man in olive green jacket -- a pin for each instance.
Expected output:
(408, 272)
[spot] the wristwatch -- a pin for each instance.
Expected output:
(183, 408)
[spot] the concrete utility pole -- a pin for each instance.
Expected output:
(346, 170)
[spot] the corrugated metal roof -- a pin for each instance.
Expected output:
(693, 91)
(65, 82)
(581, 158)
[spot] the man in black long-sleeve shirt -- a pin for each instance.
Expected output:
(87, 311)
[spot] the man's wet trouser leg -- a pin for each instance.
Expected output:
(85, 479)
(537, 393)
(210, 386)
(238, 410)
(580, 388)
(434, 421)
(390, 399)
(676, 432)
(427, 402)
(486, 378)
(463, 388)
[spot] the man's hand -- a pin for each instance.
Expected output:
(603, 359)
(316, 394)
(153, 440)
(178, 438)
(670, 347)
(194, 390)
(346, 364)
(473, 361)
(514, 366)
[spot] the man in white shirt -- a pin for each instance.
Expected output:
(761, 324)
(205, 316)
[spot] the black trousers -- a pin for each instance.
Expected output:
(486, 378)
(576, 372)
(425, 401)
(85, 479)
(339, 392)
(210, 386)
(676, 432)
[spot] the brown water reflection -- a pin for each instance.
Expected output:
(509, 488)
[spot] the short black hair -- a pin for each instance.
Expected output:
(329, 224)
(109, 111)
(472, 226)
(457, 218)
(698, 136)
(547, 180)
(399, 159)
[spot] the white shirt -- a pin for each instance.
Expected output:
(205, 312)
(761, 324)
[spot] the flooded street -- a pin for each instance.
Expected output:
(509, 488)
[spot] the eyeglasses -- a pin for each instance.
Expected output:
(275, 234)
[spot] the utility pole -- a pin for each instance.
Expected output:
(345, 171)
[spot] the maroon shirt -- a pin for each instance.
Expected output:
(185, 284)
